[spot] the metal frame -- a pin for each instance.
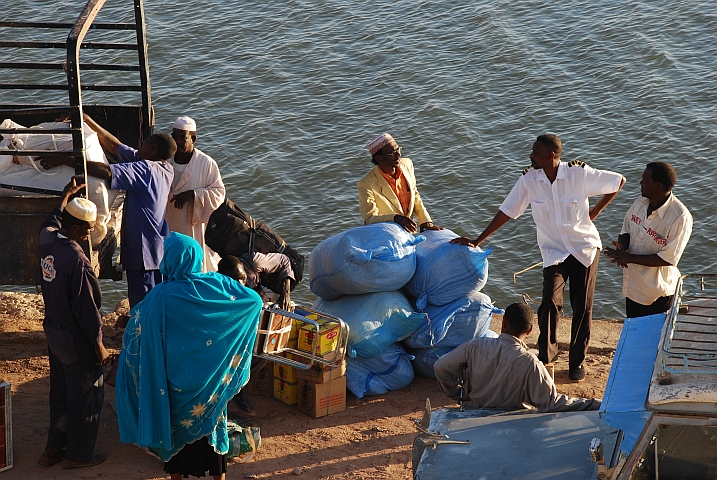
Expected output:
(685, 319)
(311, 358)
(73, 45)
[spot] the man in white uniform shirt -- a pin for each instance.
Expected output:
(557, 193)
(654, 234)
(197, 189)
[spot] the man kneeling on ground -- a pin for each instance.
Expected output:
(501, 373)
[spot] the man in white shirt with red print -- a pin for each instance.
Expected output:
(557, 193)
(654, 234)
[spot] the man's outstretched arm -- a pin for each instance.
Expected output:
(605, 201)
(498, 221)
(108, 141)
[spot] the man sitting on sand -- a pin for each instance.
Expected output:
(501, 373)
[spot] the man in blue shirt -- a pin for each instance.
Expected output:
(146, 176)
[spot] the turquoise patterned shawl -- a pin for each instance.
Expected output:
(186, 352)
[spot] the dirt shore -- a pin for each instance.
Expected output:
(370, 440)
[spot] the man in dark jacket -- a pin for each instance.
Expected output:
(73, 327)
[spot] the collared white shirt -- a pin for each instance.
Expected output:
(665, 233)
(561, 210)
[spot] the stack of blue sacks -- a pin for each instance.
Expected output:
(358, 275)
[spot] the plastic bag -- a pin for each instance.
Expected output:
(372, 258)
(391, 370)
(450, 325)
(445, 272)
(243, 441)
(375, 320)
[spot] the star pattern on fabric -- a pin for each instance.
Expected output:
(187, 422)
(236, 359)
(198, 410)
(213, 398)
(139, 330)
(161, 391)
(209, 342)
(136, 315)
(232, 298)
(227, 379)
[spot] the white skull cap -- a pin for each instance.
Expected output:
(381, 141)
(82, 209)
(185, 123)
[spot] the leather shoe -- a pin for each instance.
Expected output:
(577, 375)
(51, 456)
(552, 360)
(95, 460)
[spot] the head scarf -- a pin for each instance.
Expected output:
(192, 339)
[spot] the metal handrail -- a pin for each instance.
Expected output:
(339, 352)
(691, 362)
(72, 66)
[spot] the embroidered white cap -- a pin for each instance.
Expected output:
(381, 141)
(82, 209)
(185, 123)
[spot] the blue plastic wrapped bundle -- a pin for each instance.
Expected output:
(391, 370)
(448, 326)
(425, 358)
(445, 272)
(374, 258)
(375, 320)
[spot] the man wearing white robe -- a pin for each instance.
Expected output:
(197, 189)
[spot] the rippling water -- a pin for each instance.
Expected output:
(287, 94)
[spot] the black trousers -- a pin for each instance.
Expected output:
(75, 404)
(634, 309)
(582, 289)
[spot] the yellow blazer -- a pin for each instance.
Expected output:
(378, 203)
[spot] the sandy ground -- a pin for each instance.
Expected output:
(370, 440)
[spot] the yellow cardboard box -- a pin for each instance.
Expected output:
(285, 372)
(285, 392)
(327, 341)
(319, 399)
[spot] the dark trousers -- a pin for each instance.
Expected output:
(582, 289)
(75, 405)
(139, 283)
(634, 309)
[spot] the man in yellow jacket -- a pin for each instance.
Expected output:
(388, 192)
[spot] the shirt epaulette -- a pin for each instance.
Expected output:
(527, 169)
(576, 163)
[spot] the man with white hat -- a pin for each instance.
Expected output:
(388, 193)
(197, 189)
(73, 327)
(146, 177)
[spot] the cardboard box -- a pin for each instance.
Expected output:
(285, 392)
(322, 373)
(6, 460)
(319, 399)
(294, 334)
(273, 333)
(285, 372)
(327, 341)
(261, 382)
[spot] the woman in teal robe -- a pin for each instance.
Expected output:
(186, 352)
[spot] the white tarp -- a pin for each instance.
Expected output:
(22, 170)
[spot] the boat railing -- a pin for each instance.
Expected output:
(689, 344)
